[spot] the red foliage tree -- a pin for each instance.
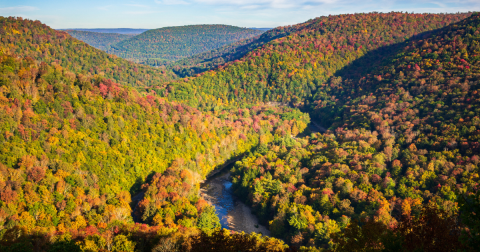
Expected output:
(36, 174)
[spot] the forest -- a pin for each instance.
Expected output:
(26, 38)
(101, 41)
(293, 67)
(210, 60)
(174, 43)
(102, 154)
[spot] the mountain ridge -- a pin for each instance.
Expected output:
(109, 30)
(101, 41)
(398, 92)
(173, 43)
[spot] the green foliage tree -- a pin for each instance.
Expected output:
(208, 220)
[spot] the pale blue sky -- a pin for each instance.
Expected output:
(244, 13)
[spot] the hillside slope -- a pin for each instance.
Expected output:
(174, 43)
(212, 59)
(406, 136)
(33, 39)
(292, 68)
(77, 148)
(101, 41)
(74, 147)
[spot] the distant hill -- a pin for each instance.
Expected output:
(260, 29)
(174, 43)
(212, 59)
(99, 40)
(112, 30)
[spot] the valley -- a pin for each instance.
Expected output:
(350, 132)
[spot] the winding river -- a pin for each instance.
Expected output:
(217, 190)
(233, 213)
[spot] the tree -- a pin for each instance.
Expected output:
(208, 219)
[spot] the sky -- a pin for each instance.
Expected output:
(61, 14)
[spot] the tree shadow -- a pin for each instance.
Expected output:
(381, 56)
(368, 64)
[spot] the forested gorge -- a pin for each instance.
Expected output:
(101, 154)
(77, 146)
(403, 145)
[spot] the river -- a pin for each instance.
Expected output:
(233, 213)
(217, 190)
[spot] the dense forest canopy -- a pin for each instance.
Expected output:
(174, 43)
(404, 136)
(65, 135)
(33, 39)
(101, 41)
(293, 68)
(212, 59)
(403, 120)
(89, 163)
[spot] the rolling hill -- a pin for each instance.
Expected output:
(127, 31)
(399, 93)
(405, 137)
(101, 41)
(174, 43)
(212, 59)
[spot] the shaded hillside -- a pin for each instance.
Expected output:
(292, 68)
(406, 137)
(101, 41)
(33, 39)
(174, 43)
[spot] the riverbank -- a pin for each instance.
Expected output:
(234, 214)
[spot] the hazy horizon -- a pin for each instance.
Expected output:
(152, 14)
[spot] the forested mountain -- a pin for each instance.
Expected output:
(293, 68)
(174, 43)
(101, 41)
(39, 42)
(403, 110)
(212, 59)
(130, 31)
(77, 146)
(90, 164)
